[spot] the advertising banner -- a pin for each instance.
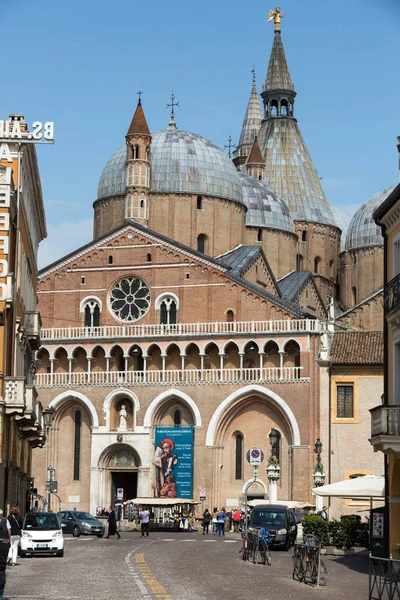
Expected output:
(173, 461)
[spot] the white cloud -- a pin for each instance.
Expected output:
(63, 238)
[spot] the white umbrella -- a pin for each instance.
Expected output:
(367, 487)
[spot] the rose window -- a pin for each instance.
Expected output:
(130, 299)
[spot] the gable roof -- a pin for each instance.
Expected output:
(239, 258)
(357, 348)
(292, 284)
(346, 312)
(216, 263)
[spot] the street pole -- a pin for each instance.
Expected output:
(248, 486)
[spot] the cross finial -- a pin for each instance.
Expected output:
(140, 96)
(172, 105)
(230, 146)
(254, 74)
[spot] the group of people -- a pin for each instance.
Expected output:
(10, 535)
(217, 519)
(233, 520)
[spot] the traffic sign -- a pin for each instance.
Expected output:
(120, 493)
(203, 493)
(255, 456)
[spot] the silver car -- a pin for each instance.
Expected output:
(78, 522)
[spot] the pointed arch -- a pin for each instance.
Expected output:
(265, 393)
(148, 417)
(71, 395)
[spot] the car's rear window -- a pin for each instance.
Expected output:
(41, 522)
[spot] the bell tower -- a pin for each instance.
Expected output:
(138, 141)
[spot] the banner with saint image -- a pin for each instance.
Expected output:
(173, 462)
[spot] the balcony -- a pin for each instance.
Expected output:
(14, 395)
(171, 377)
(33, 324)
(385, 429)
(392, 297)
(29, 416)
(105, 332)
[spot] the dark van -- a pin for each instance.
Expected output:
(279, 519)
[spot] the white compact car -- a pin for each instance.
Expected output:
(41, 534)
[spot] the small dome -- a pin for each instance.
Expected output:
(342, 220)
(181, 162)
(363, 231)
(264, 207)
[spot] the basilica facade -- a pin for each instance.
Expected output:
(206, 304)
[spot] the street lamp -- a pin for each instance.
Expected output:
(48, 416)
(319, 475)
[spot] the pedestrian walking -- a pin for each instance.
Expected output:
(5, 532)
(206, 521)
(145, 517)
(15, 521)
(214, 520)
(112, 523)
(221, 516)
(236, 519)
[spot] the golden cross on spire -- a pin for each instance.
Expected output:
(276, 16)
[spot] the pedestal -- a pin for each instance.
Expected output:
(273, 474)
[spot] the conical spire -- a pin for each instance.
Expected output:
(287, 161)
(278, 76)
(255, 156)
(251, 125)
(139, 123)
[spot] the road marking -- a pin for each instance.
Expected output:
(155, 586)
(205, 541)
(230, 541)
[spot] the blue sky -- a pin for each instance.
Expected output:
(80, 64)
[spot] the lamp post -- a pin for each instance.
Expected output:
(273, 469)
(319, 475)
(48, 417)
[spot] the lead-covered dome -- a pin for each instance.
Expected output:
(363, 231)
(181, 162)
(342, 219)
(264, 207)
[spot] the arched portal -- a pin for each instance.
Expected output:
(237, 414)
(118, 467)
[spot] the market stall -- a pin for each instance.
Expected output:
(167, 514)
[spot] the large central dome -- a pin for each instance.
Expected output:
(181, 162)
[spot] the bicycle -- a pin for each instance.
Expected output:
(264, 549)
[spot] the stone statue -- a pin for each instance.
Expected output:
(122, 418)
(276, 15)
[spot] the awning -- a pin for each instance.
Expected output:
(367, 487)
(288, 503)
(161, 501)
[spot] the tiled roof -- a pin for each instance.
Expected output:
(255, 156)
(239, 258)
(291, 285)
(278, 76)
(357, 348)
(139, 123)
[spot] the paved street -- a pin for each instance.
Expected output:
(179, 566)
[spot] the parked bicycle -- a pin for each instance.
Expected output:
(257, 546)
(308, 566)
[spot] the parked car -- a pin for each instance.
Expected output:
(279, 520)
(78, 522)
(41, 534)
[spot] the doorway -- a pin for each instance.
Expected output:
(127, 480)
